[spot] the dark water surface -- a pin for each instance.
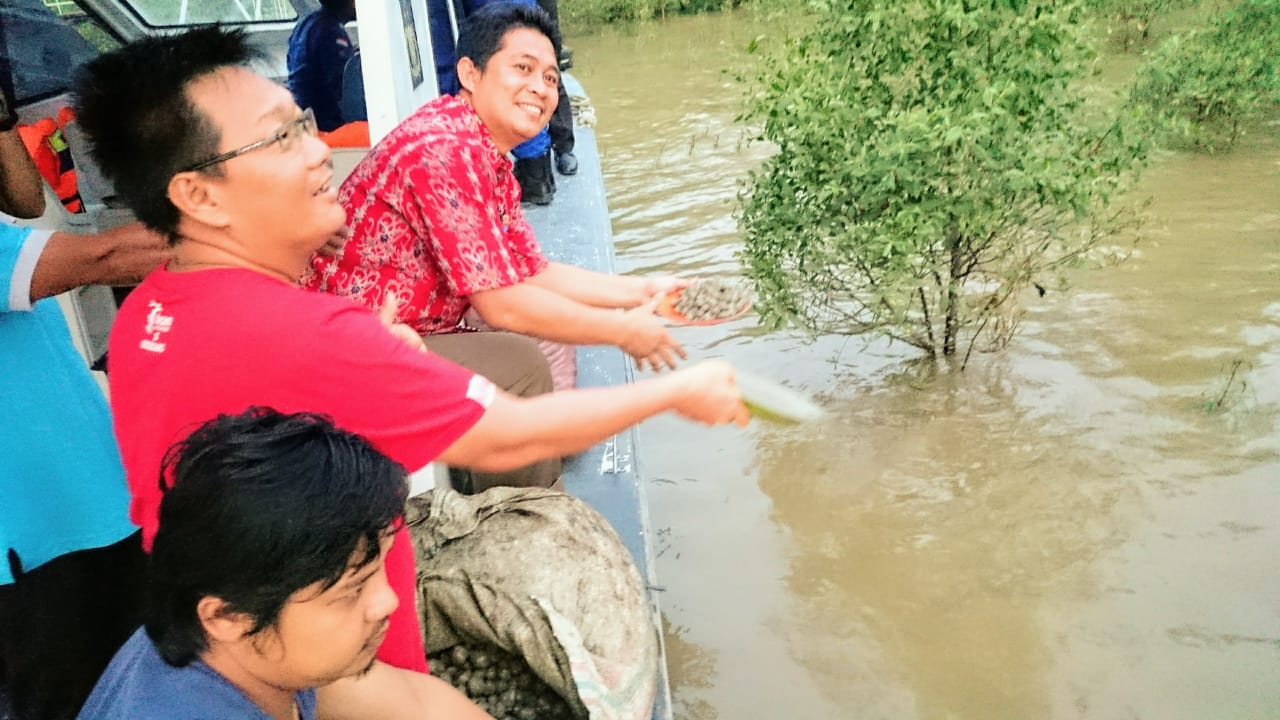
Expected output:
(1084, 526)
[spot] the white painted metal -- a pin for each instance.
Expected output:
(392, 34)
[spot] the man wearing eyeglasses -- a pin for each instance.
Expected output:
(220, 160)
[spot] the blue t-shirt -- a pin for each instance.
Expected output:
(319, 49)
(140, 685)
(62, 485)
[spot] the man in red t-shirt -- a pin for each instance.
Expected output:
(436, 221)
(220, 159)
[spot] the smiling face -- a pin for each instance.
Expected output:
(516, 92)
(277, 202)
(325, 634)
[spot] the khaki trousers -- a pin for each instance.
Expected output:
(515, 364)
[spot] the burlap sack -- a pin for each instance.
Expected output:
(543, 576)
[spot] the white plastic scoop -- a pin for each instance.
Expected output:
(769, 400)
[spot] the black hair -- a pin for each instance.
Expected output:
(133, 106)
(259, 506)
(337, 6)
(481, 34)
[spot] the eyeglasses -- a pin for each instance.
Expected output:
(286, 135)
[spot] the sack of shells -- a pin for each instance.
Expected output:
(532, 606)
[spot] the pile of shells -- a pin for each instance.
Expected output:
(712, 299)
(499, 682)
(584, 113)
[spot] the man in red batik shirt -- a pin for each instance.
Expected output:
(436, 223)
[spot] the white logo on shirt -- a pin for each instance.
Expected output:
(157, 324)
(481, 391)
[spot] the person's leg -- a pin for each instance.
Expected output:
(561, 129)
(533, 169)
(61, 623)
(537, 183)
(515, 364)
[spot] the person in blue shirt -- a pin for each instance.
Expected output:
(268, 596)
(71, 563)
(319, 49)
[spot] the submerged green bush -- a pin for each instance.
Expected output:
(1130, 20)
(588, 13)
(1204, 84)
(933, 161)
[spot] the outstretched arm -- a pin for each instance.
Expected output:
(515, 432)
(598, 289)
(530, 309)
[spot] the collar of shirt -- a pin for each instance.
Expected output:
(464, 109)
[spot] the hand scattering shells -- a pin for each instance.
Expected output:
(499, 682)
(708, 301)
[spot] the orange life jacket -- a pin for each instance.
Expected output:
(52, 155)
(352, 135)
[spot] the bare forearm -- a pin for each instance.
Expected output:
(533, 310)
(515, 432)
(597, 289)
(389, 693)
(119, 257)
(21, 187)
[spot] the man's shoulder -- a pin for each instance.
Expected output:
(442, 134)
(222, 304)
(304, 28)
(140, 685)
(318, 21)
(441, 122)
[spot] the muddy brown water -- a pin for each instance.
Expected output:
(1084, 526)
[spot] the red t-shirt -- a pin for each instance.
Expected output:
(186, 347)
(435, 216)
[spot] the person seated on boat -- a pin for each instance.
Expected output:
(436, 221)
(319, 50)
(220, 160)
(533, 156)
(252, 617)
(71, 563)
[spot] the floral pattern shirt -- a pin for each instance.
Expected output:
(434, 212)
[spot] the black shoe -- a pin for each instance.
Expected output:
(537, 184)
(566, 163)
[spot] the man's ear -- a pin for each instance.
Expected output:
(196, 197)
(468, 74)
(219, 622)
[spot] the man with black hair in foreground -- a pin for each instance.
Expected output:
(268, 583)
